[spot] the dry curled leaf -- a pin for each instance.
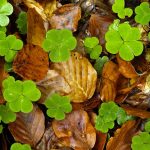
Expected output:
(108, 90)
(110, 71)
(53, 83)
(31, 63)
(66, 17)
(28, 128)
(98, 26)
(75, 131)
(126, 68)
(36, 29)
(110, 76)
(136, 111)
(80, 76)
(123, 136)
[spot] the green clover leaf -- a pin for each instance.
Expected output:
(143, 13)
(22, 22)
(103, 125)
(92, 47)
(108, 113)
(6, 114)
(100, 63)
(20, 94)
(118, 7)
(9, 46)
(125, 41)
(147, 126)
(6, 9)
(57, 106)
(141, 141)
(19, 146)
(59, 43)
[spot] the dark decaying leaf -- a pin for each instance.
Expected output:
(36, 30)
(126, 68)
(31, 63)
(67, 16)
(98, 26)
(3, 143)
(136, 111)
(123, 136)
(75, 78)
(28, 128)
(75, 131)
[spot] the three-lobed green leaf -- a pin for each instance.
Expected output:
(59, 43)
(119, 8)
(143, 13)
(22, 22)
(9, 46)
(20, 94)
(92, 47)
(125, 40)
(57, 106)
(6, 9)
(19, 146)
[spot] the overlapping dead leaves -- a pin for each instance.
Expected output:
(77, 79)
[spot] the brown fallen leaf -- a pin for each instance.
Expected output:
(75, 131)
(36, 30)
(3, 75)
(31, 63)
(100, 141)
(49, 140)
(3, 143)
(110, 71)
(108, 90)
(67, 16)
(126, 68)
(143, 114)
(80, 76)
(98, 26)
(53, 83)
(28, 128)
(123, 136)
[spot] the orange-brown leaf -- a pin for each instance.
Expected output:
(123, 136)
(28, 128)
(108, 90)
(136, 112)
(31, 63)
(126, 68)
(36, 29)
(66, 17)
(110, 71)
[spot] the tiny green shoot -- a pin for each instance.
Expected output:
(100, 63)
(6, 9)
(57, 106)
(20, 94)
(124, 40)
(143, 13)
(58, 44)
(119, 8)
(22, 22)
(92, 47)
(19, 146)
(1, 128)
(9, 46)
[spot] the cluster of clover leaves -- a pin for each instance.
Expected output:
(142, 140)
